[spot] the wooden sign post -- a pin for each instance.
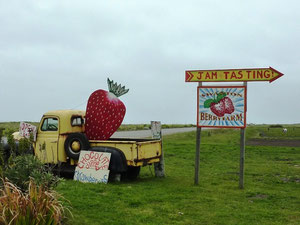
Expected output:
(242, 152)
(225, 106)
(197, 157)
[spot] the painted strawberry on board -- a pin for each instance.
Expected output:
(105, 112)
(220, 105)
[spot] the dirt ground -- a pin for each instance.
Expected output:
(273, 142)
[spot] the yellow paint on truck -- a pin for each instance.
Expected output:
(56, 126)
(137, 152)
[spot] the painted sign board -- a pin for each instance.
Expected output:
(26, 129)
(93, 167)
(91, 176)
(222, 106)
(156, 129)
(233, 75)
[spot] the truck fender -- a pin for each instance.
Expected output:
(80, 138)
(118, 163)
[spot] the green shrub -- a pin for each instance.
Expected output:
(21, 168)
(24, 146)
(11, 142)
(1, 152)
(276, 126)
(37, 206)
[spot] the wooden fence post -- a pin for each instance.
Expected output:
(159, 167)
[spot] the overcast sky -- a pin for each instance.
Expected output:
(54, 54)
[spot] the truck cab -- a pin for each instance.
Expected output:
(54, 128)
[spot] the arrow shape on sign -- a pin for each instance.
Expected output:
(275, 74)
(233, 75)
(188, 76)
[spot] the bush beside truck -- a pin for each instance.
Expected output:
(26, 187)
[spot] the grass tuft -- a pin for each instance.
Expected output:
(37, 206)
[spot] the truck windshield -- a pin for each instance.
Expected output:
(50, 124)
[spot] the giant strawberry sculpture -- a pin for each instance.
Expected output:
(220, 105)
(105, 112)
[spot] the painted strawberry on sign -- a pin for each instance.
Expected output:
(105, 112)
(220, 105)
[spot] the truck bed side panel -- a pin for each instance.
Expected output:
(137, 152)
(148, 152)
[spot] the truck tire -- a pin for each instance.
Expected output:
(118, 163)
(132, 172)
(80, 141)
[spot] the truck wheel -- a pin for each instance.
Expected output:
(132, 172)
(75, 143)
(118, 163)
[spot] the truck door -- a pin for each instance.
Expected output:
(47, 140)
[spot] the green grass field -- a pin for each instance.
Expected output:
(271, 194)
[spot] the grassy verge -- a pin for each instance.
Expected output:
(273, 132)
(271, 194)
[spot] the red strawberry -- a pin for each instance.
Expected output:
(218, 108)
(229, 108)
(105, 112)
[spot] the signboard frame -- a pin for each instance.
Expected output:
(223, 87)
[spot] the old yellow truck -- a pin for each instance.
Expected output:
(60, 138)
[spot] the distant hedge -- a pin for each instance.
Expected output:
(276, 126)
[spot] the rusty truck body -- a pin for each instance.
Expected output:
(61, 137)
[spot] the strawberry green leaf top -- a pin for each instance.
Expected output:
(208, 102)
(220, 96)
(116, 89)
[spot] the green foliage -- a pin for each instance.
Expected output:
(167, 126)
(25, 167)
(37, 206)
(1, 147)
(276, 126)
(1, 153)
(11, 142)
(35, 202)
(14, 125)
(24, 145)
(265, 132)
(271, 194)
(1, 134)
